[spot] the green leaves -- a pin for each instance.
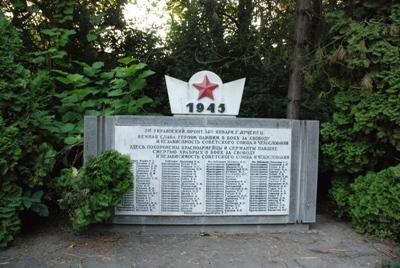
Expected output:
(91, 36)
(28, 131)
(374, 203)
(10, 205)
(339, 193)
(42, 110)
(59, 38)
(34, 203)
(70, 140)
(363, 132)
(97, 91)
(68, 127)
(98, 65)
(366, 81)
(89, 195)
(126, 60)
(40, 209)
(10, 149)
(146, 74)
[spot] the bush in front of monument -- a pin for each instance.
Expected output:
(374, 203)
(89, 195)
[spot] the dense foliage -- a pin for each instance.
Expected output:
(43, 99)
(26, 158)
(364, 133)
(358, 73)
(60, 31)
(249, 39)
(96, 91)
(90, 194)
(25, 153)
(10, 205)
(374, 203)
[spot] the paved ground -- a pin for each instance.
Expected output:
(327, 244)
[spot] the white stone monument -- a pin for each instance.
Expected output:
(205, 168)
(204, 94)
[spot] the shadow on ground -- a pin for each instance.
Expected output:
(328, 243)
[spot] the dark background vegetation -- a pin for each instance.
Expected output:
(61, 60)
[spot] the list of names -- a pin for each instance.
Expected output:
(206, 171)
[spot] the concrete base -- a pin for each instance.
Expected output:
(100, 135)
(207, 229)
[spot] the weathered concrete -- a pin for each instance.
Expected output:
(328, 243)
(100, 135)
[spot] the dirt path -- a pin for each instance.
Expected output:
(329, 243)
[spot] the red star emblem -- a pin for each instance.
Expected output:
(205, 88)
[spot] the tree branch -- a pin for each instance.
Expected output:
(231, 18)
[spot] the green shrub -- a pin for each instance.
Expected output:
(100, 91)
(362, 79)
(10, 151)
(25, 154)
(10, 205)
(41, 120)
(339, 193)
(375, 203)
(26, 159)
(364, 132)
(89, 195)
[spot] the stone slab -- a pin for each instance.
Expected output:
(212, 171)
(211, 229)
(304, 163)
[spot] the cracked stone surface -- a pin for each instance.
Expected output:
(328, 243)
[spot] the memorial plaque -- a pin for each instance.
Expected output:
(204, 166)
(206, 171)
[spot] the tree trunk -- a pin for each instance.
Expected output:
(316, 23)
(244, 15)
(216, 40)
(302, 32)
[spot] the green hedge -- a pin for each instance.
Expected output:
(375, 203)
(89, 195)
(372, 202)
(26, 158)
(10, 205)
(363, 134)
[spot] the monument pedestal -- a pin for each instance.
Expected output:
(209, 229)
(213, 173)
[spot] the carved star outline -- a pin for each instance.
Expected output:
(205, 88)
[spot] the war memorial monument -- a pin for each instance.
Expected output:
(205, 168)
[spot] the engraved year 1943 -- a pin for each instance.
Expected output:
(200, 107)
